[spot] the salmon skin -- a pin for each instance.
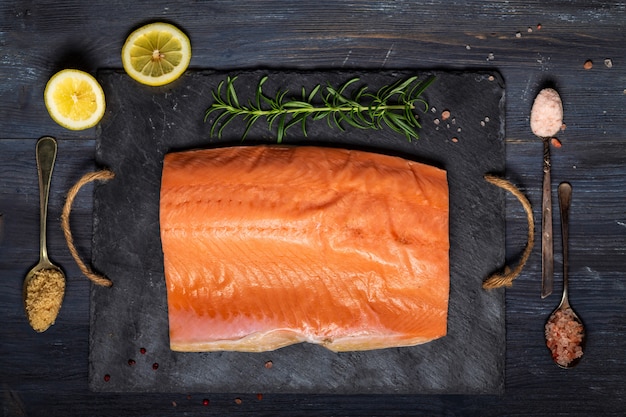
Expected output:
(267, 246)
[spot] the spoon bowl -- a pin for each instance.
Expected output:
(565, 313)
(565, 332)
(44, 284)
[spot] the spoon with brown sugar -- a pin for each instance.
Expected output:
(44, 285)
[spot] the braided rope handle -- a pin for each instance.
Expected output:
(103, 175)
(497, 280)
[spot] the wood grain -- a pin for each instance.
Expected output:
(47, 373)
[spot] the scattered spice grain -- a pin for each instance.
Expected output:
(107, 378)
(44, 296)
(155, 366)
(205, 402)
(445, 115)
(588, 64)
(555, 142)
(269, 364)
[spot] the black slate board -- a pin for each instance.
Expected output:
(143, 123)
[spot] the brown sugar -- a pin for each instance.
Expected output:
(44, 295)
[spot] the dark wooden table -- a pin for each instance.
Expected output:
(530, 43)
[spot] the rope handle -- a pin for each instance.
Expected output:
(497, 280)
(103, 175)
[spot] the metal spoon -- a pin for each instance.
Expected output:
(577, 332)
(546, 118)
(46, 156)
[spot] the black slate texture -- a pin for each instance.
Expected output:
(143, 123)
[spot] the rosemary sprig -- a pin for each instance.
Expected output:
(392, 106)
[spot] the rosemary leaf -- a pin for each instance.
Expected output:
(232, 95)
(312, 94)
(297, 105)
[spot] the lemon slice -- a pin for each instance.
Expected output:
(74, 99)
(156, 54)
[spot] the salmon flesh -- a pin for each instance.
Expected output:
(267, 246)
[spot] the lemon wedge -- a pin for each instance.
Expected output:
(74, 99)
(156, 54)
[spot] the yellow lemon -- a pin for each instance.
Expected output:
(156, 54)
(74, 99)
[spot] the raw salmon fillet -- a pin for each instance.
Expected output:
(267, 246)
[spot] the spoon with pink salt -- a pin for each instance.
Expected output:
(564, 330)
(546, 118)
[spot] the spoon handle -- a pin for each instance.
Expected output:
(565, 199)
(46, 156)
(547, 245)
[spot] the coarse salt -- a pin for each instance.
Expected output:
(546, 115)
(564, 336)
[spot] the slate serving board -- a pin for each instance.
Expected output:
(129, 345)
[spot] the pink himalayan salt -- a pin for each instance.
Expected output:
(546, 115)
(564, 336)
